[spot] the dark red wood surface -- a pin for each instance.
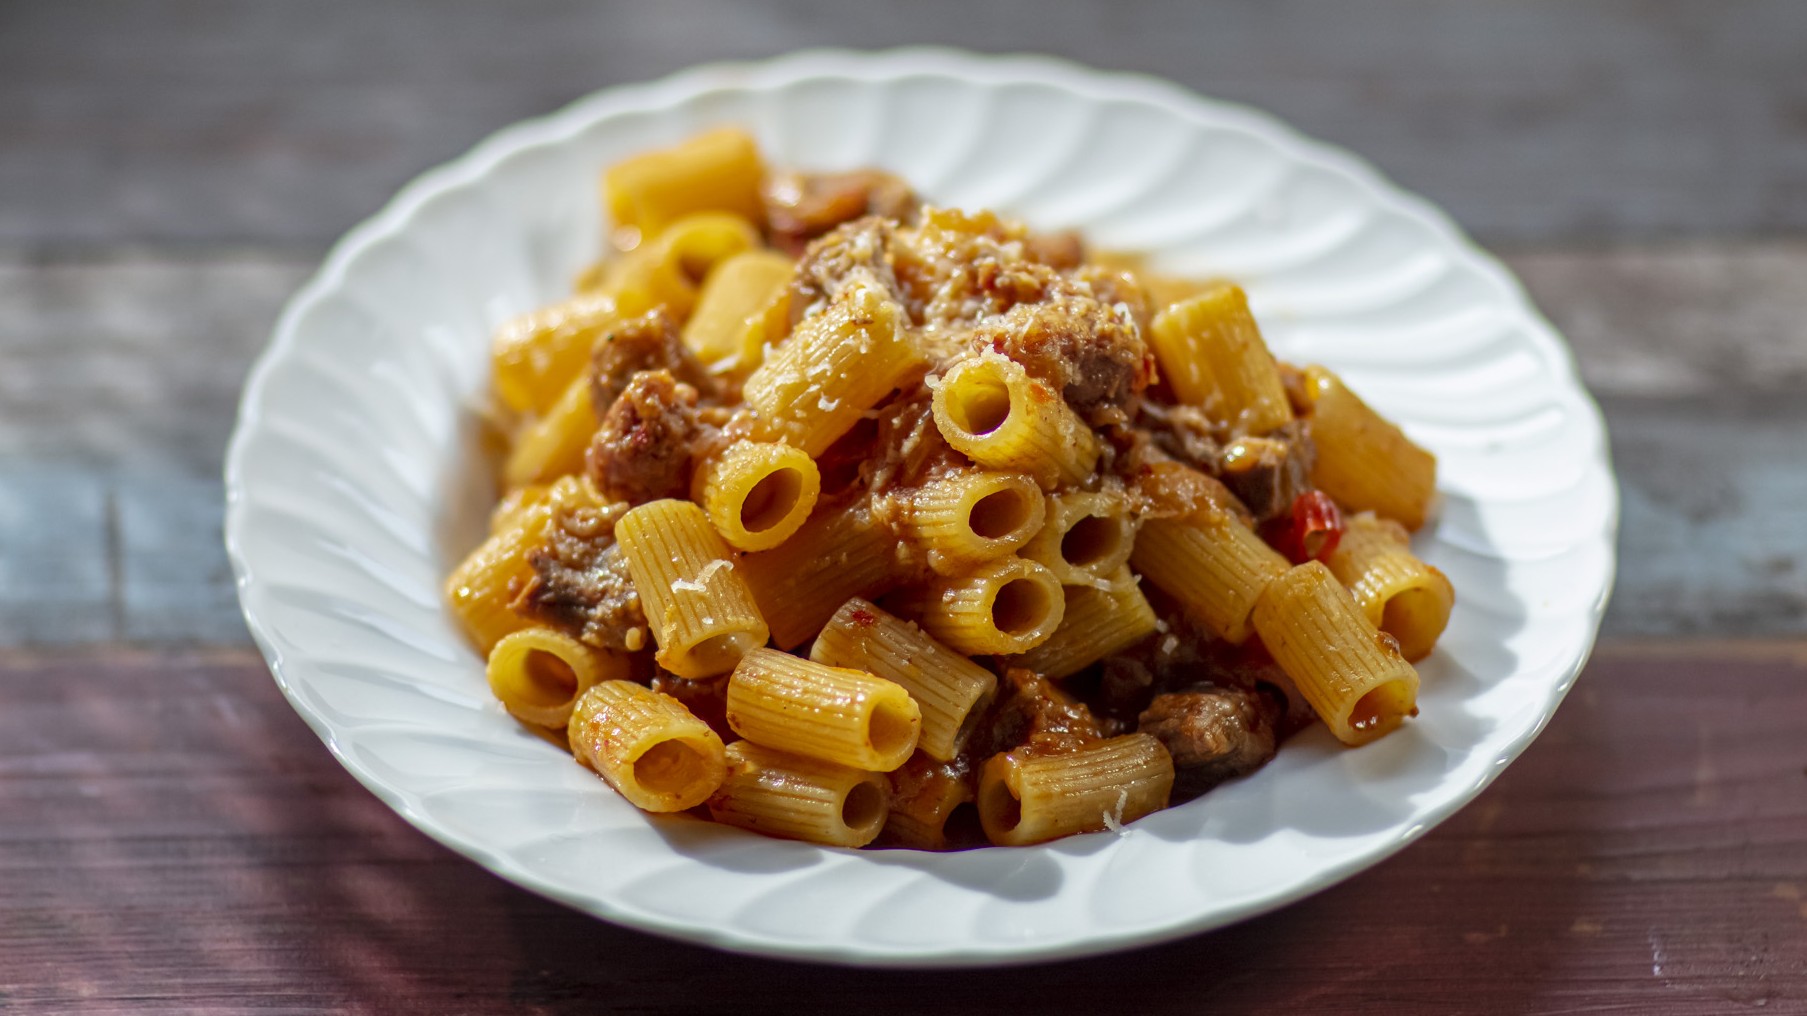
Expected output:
(172, 838)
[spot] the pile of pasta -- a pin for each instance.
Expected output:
(836, 515)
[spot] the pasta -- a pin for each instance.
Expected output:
(1364, 461)
(539, 673)
(991, 409)
(834, 714)
(702, 613)
(1097, 622)
(798, 798)
(1026, 797)
(951, 690)
(758, 493)
(1087, 537)
(647, 746)
(1004, 606)
(856, 520)
(975, 516)
(1400, 594)
(1353, 676)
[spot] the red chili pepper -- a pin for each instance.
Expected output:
(1312, 530)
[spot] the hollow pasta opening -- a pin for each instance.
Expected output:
(1005, 810)
(670, 767)
(1021, 606)
(979, 405)
(719, 653)
(1381, 708)
(1411, 617)
(546, 680)
(863, 807)
(771, 500)
(890, 729)
(1092, 539)
(962, 826)
(999, 514)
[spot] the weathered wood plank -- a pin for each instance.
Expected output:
(214, 120)
(119, 376)
(173, 839)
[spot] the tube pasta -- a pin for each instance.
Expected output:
(647, 746)
(830, 713)
(975, 516)
(1212, 355)
(1025, 797)
(1214, 565)
(738, 310)
(951, 691)
(667, 271)
(834, 367)
(991, 410)
(554, 445)
(483, 585)
(925, 797)
(1353, 676)
(1399, 593)
(1098, 622)
(700, 609)
(1087, 537)
(1005, 606)
(535, 355)
(716, 171)
(780, 794)
(539, 673)
(758, 493)
(841, 552)
(1364, 461)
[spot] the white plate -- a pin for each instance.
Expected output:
(350, 493)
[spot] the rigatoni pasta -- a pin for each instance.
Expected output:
(1400, 594)
(647, 746)
(951, 690)
(799, 798)
(702, 613)
(836, 714)
(864, 521)
(1026, 797)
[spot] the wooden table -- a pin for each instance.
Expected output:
(173, 839)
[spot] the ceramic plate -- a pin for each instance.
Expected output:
(352, 487)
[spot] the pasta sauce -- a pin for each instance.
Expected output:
(836, 515)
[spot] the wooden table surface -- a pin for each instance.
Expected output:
(173, 839)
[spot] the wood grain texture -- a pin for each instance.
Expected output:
(119, 375)
(173, 839)
(217, 120)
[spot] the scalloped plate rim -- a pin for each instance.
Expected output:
(889, 65)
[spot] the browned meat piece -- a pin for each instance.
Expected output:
(1170, 490)
(1032, 711)
(1214, 733)
(854, 252)
(581, 584)
(642, 450)
(707, 699)
(802, 206)
(1267, 473)
(1183, 432)
(908, 448)
(1063, 334)
(649, 342)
